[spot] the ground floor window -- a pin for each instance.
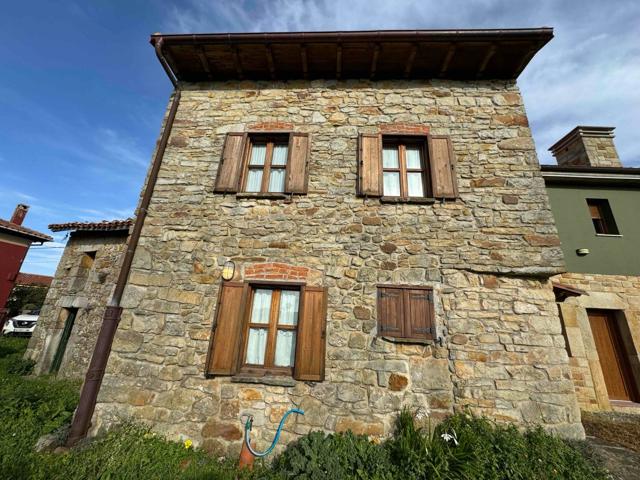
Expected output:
(270, 337)
(263, 329)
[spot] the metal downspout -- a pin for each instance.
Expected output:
(111, 319)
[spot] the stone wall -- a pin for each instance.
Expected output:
(487, 255)
(611, 292)
(82, 284)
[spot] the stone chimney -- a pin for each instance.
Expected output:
(587, 147)
(19, 213)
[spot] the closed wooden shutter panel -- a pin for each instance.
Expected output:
(390, 312)
(230, 166)
(297, 163)
(443, 167)
(225, 341)
(311, 339)
(370, 165)
(419, 314)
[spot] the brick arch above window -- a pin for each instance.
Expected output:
(276, 271)
(402, 128)
(270, 126)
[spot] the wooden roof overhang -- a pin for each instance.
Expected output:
(385, 54)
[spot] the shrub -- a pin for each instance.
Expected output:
(20, 366)
(344, 455)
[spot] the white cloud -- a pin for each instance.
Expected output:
(587, 75)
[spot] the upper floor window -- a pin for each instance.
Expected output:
(264, 164)
(403, 169)
(266, 168)
(406, 168)
(602, 217)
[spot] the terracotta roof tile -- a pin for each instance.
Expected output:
(33, 279)
(13, 229)
(104, 225)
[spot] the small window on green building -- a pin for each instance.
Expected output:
(601, 216)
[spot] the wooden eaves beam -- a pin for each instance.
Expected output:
(447, 60)
(338, 61)
(374, 61)
(409, 65)
(305, 64)
(485, 60)
(203, 60)
(272, 67)
(236, 62)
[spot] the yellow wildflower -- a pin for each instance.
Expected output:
(188, 443)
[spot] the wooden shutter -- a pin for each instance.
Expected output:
(419, 314)
(390, 312)
(226, 332)
(230, 165)
(443, 167)
(311, 339)
(297, 163)
(370, 165)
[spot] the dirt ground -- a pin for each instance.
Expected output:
(614, 438)
(621, 429)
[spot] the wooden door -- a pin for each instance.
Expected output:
(64, 339)
(612, 355)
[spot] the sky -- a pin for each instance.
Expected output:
(82, 94)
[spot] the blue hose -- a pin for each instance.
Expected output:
(249, 424)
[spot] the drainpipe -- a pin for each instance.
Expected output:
(111, 318)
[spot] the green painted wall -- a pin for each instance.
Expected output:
(609, 255)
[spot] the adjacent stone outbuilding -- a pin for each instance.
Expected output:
(66, 332)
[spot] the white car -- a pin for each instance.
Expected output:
(20, 325)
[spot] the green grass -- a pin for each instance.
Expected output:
(31, 407)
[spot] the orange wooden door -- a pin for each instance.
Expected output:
(612, 355)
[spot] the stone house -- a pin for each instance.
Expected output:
(65, 335)
(350, 222)
(595, 203)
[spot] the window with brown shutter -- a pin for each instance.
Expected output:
(264, 163)
(269, 329)
(406, 168)
(226, 333)
(602, 216)
(406, 313)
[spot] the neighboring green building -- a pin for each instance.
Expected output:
(596, 205)
(578, 197)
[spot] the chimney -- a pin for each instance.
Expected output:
(587, 147)
(19, 213)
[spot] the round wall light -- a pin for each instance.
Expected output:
(583, 251)
(228, 270)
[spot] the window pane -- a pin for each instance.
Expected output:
(258, 154)
(285, 348)
(413, 157)
(414, 182)
(276, 181)
(256, 346)
(279, 155)
(391, 187)
(390, 157)
(261, 306)
(254, 181)
(289, 300)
